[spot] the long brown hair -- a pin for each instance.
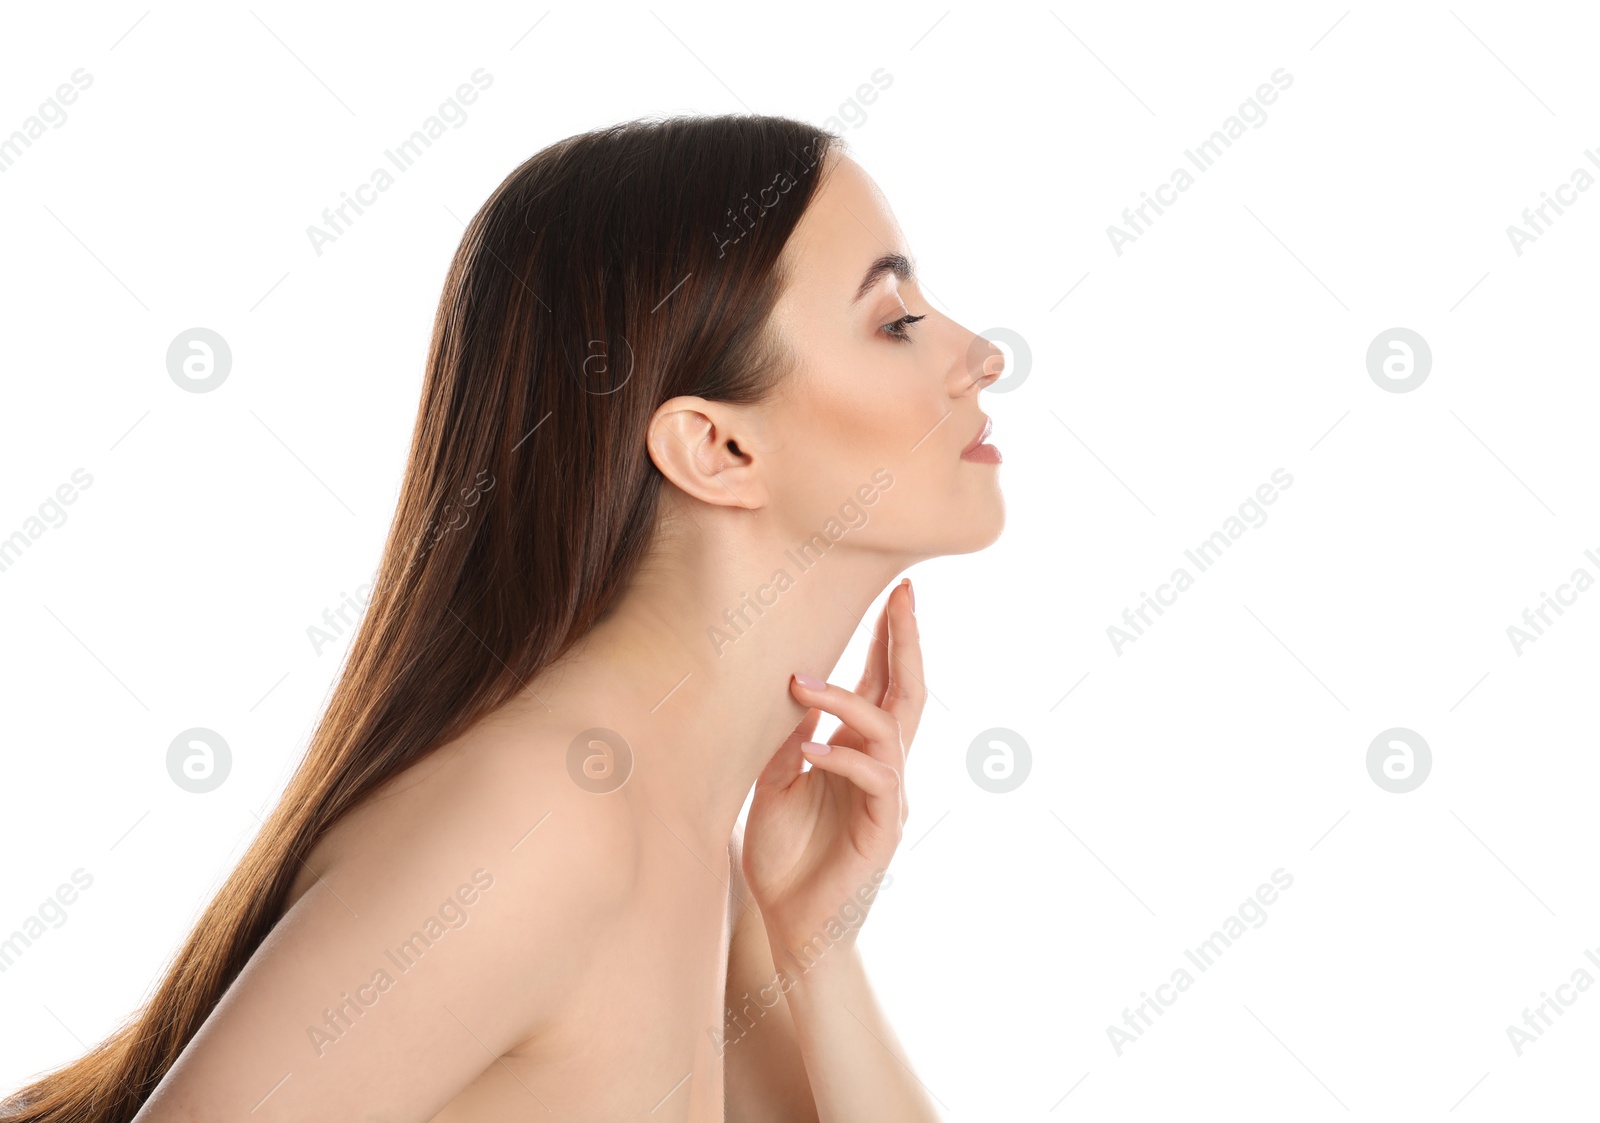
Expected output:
(611, 271)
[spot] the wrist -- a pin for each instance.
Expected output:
(801, 944)
(814, 961)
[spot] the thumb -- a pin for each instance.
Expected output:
(786, 763)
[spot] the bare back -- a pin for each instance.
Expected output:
(480, 938)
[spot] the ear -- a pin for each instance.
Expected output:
(695, 444)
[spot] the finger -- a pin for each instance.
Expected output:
(877, 780)
(785, 764)
(847, 737)
(906, 693)
(875, 675)
(880, 736)
(807, 726)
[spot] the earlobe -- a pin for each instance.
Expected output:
(689, 440)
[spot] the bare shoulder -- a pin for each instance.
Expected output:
(495, 816)
(542, 798)
(454, 915)
(503, 797)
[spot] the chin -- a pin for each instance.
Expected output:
(978, 529)
(996, 523)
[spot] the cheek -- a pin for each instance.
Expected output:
(865, 405)
(836, 447)
(847, 415)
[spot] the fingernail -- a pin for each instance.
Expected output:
(912, 593)
(815, 748)
(810, 683)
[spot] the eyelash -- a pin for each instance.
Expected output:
(897, 329)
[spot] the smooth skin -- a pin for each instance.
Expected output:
(487, 939)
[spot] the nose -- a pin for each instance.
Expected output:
(985, 363)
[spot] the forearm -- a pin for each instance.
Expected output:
(856, 1067)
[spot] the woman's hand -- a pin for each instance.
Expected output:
(816, 845)
(817, 842)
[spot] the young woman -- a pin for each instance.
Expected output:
(686, 414)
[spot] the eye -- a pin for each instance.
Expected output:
(897, 329)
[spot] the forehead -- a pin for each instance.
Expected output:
(847, 226)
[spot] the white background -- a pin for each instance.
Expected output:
(1228, 341)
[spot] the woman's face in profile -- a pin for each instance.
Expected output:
(874, 409)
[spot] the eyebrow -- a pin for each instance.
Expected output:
(897, 263)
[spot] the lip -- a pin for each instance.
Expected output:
(983, 435)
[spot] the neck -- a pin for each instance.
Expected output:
(692, 665)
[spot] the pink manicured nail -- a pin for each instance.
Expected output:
(810, 683)
(815, 748)
(912, 593)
